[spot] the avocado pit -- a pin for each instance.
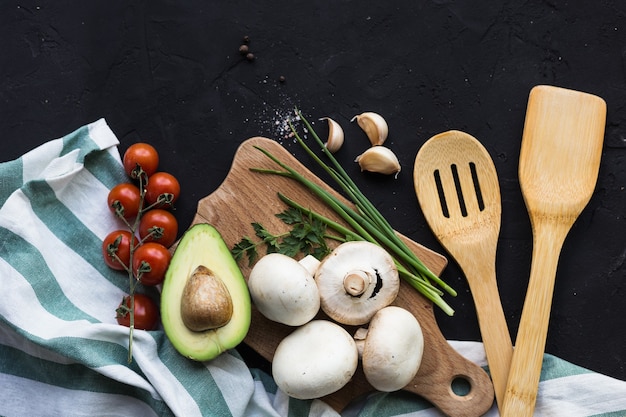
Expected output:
(206, 303)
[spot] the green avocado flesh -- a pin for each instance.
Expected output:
(202, 244)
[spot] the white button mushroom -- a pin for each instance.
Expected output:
(391, 348)
(355, 281)
(283, 289)
(315, 360)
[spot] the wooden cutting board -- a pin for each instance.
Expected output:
(245, 197)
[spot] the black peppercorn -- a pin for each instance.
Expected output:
(250, 56)
(243, 49)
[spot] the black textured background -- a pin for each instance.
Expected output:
(169, 73)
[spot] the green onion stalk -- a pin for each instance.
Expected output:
(366, 221)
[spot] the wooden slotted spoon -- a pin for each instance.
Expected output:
(457, 187)
(558, 169)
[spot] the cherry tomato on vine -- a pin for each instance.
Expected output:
(164, 187)
(116, 248)
(124, 200)
(142, 154)
(146, 312)
(150, 261)
(158, 225)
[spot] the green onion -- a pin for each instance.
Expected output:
(367, 222)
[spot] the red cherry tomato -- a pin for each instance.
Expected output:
(142, 155)
(160, 226)
(124, 200)
(146, 312)
(116, 248)
(150, 261)
(163, 187)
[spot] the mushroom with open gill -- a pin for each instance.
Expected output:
(355, 280)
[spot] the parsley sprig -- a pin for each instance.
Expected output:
(308, 236)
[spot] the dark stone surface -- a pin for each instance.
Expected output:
(170, 73)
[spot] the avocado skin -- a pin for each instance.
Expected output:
(202, 244)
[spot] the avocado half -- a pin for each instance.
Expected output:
(203, 245)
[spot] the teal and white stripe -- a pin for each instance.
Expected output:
(63, 354)
(58, 334)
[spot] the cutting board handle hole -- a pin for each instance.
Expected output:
(461, 386)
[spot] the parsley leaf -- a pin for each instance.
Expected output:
(246, 247)
(307, 236)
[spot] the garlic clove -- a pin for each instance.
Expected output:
(379, 159)
(335, 135)
(374, 126)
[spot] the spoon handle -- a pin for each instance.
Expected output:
(493, 327)
(523, 380)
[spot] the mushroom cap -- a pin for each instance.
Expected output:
(283, 290)
(393, 348)
(315, 360)
(355, 280)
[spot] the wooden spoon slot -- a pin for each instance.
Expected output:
(479, 194)
(442, 195)
(459, 190)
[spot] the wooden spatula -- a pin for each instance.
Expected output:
(558, 169)
(457, 187)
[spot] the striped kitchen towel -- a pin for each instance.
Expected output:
(63, 354)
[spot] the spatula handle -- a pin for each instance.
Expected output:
(523, 380)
